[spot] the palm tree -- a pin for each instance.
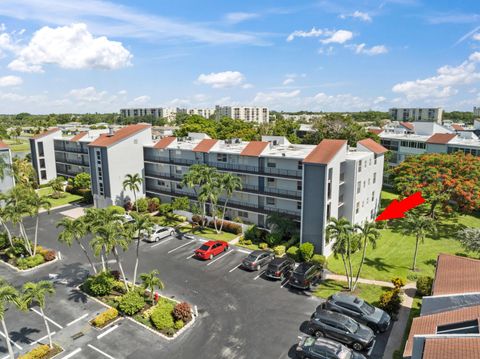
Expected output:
(36, 203)
(57, 186)
(74, 230)
(151, 281)
(368, 234)
(6, 215)
(132, 182)
(340, 230)
(8, 295)
(420, 226)
(142, 224)
(17, 200)
(280, 225)
(230, 183)
(36, 293)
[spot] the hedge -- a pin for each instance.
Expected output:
(105, 317)
(38, 353)
(162, 317)
(424, 285)
(319, 259)
(279, 250)
(30, 262)
(294, 253)
(229, 227)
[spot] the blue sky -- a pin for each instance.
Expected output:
(99, 56)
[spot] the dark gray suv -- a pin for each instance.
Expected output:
(257, 259)
(322, 348)
(339, 327)
(359, 310)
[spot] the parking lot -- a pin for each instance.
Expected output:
(242, 314)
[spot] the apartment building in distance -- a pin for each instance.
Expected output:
(157, 112)
(204, 112)
(416, 114)
(7, 181)
(476, 112)
(249, 114)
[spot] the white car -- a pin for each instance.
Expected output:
(159, 233)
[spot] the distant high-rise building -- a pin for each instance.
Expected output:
(416, 114)
(476, 112)
(248, 114)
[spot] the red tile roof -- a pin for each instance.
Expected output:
(165, 142)
(325, 151)
(448, 348)
(376, 131)
(373, 146)
(79, 136)
(441, 138)
(106, 140)
(46, 133)
(428, 323)
(456, 274)
(205, 145)
(3, 144)
(408, 125)
(457, 127)
(254, 148)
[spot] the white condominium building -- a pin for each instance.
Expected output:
(248, 114)
(6, 181)
(416, 114)
(204, 112)
(157, 112)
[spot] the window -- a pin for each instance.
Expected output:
(178, 186)
(300, 165)
(467, 327)
(375, 160)
(42, 162)
(369, 181)
(370, 162)
(373, 196)
(270, 201)
(40, 149)
(221, 157)
(357, 209)
(374, 177)
(43, 174)
(161, 183)
(178, 169)
(299, 205)
(177, 152)
(328, 211)
(360, 166)
(271, 164)
(270, 180)
(242, 214)
(299, 185)
(359, 186)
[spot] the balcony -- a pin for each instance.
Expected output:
(71, 161)
(61, 148)
(163, 175)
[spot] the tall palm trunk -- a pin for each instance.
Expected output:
(35, 240)
(349, 258)
(223, 213)
(47, 327)
(119, 263)
(102, 256)
(361, 264)
(136, 260)
(135, 200)
(88, 257)
(23, 233)
(415, 254)
(7, 339)
(9, 234)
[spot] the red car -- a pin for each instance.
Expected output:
(210, 249)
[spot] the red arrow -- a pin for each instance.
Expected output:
(397, 209)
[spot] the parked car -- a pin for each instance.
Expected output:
(210, 249)
(158, 233)
(358, 309)
(257, 259)
(185, 235)
(322, 348)
(305, 275)
(341, 328)
(280, 268)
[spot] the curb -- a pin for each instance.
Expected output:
(30, 269)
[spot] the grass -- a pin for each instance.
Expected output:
(55, 202)
(173, 220)
(414, 312)
(394, 253)
(368, 292)
(19, 145)
(209, 233)
(252, 246)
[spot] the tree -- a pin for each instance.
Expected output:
(36, 293)
(74, 230)
(446, 180)
(229, 184)
(82, 181)
(368, 234)
(133, 182)
(151, 281)
(141, 224)
(470, 239)
(57, 185)
(180, 204)
(420, 226)
(36, 203)
(17, 202)
(7, 213)
(340, 231)
(8, 295)
(281, 226)
(24, 173)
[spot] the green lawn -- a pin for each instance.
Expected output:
(394, 253)
(18, 145)
(209, 233)
(368, 292)
(55, 202)
(170, 221)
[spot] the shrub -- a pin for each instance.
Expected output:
(197, 219)
(141, 205)
(39, 352)
(17, 250)
(146, 314)
(30, 262)
(170, 332)
(4, 243)
(116, 210)
(319, 259)
(182, 311)
(179, 324)
(293, 241)
(390, 301)
(105, 317)
(306, 251)
(247, 242)
(82, 181)
(100, 285)
(131, 303)
(162, 318)
(398, 282)
(250, 233)
(229, 227)
(294, 253)
(153, 204)
(263, 245)
(273, 239)
(279, 250)
(128, 206)
(49, 255)
(86, 193)
(424, 285)
(165, 209)
(69, 188)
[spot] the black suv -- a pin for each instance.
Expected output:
(305, 275)
(322, 348)
(359, 310)
(341, 328)
(280, 268)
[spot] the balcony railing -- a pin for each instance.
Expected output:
(71, 161)
(71, 149)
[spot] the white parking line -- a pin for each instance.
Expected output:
(78, 319)
(183, 245)
(191, 256)
(223, 255)
(258, 276)
(162, 241)
(11, 341)
(284, 283)
(231, 270)
(76, 351)
(47, 318)
(99, 351)
(244, 251)
(42, 338)
(109, 330)
(6, 357)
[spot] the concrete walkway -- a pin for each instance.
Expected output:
(396, 335)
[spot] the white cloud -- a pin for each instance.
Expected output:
(236, 17)
(338, 37)
(300, 33)
(379, 99)
(363, 16)
(222, 79)
(273, 97)
(6, 81)
(87, 94)
(374, 50)
(288, 81)
(476, 36)
(441, 85)
(140, 101)
(326, 50)
(70, 47)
